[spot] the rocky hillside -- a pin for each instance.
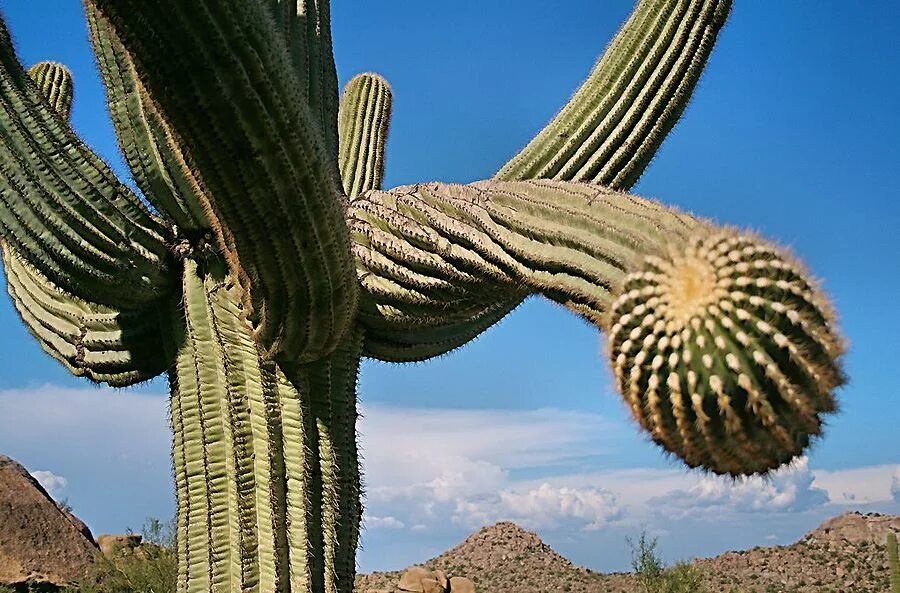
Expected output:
(845, 555)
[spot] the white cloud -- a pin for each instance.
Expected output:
(431, 466)
(373, 522)
(788, 489)
(543, 507)
(53, 484)
(861, 485)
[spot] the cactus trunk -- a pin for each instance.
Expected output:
(265, 467)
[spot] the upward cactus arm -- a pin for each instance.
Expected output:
(54, 82)
(62, 208)
(224, 80)
(614, 124)
(723, 350)
(363, 122)
(148, 145)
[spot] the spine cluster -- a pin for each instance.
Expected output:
(725, 353)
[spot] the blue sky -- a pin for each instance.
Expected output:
(793, 132)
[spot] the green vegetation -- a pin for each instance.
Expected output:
(271, 262)
(653, 576)
(151, 568)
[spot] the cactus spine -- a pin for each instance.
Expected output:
(363, 119)
(273, 262)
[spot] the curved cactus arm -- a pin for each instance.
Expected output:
(95, 341)
(363, 122)
(614, 124)
(147, 143)
(224, 80)
(62, 208)
(54, 81)
(105, 345)
(306, 25)
(723, 349)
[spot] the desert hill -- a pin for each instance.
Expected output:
(845, 554)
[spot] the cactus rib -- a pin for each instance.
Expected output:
(146, 140)
(723, 349)
(272, 187)
(64, 211)
(365, 116)
(614, 124)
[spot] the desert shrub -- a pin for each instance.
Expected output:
(653, 576)
(151, 568)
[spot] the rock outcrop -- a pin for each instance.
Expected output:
(40, 542)
(855, 528)
(845, 554)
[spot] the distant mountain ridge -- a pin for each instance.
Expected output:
(845, 554)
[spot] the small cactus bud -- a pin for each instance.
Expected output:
(725, 353)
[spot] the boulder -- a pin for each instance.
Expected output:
(40, 542)
(441, 577)
(412, 579)
(431, 585)
(114, 545)
(461, 585)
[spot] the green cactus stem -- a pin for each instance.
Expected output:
(153, 154)
(273, 262)
(722, 347)
(614, 124)
(272, 185)
(100, 343)
(91, 340)
(54, 81)
(266, 474)
(364, 119)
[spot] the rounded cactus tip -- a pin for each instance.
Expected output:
(726, 353)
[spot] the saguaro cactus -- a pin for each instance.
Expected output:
(264, 261)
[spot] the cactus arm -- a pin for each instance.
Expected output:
(273, 190)
(62, 208)
(614, 124)
(54, 81)
(363, 122)
(724, 351)
(101, 343)
(147, 143)
(607, 133)
(105, 345)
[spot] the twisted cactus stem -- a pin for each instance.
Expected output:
(260, 283)
(723, 348)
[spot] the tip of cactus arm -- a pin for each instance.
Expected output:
(726, 352)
